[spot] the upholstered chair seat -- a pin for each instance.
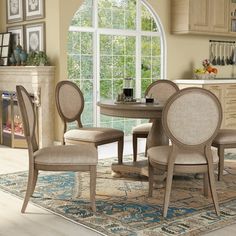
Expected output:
(143, 128)
(160, 156)
(66, 155)
(160, 90)
(226, 138)
(93, 134)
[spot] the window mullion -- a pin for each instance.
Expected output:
(138, 49)
(96, 66)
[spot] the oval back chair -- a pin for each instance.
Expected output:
(191, 119)
(56, 158)
(70, 105)
(160, 90)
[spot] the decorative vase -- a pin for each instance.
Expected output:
(17, 56)
(12, 60)
(23, 57)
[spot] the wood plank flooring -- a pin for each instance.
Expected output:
(38, 222)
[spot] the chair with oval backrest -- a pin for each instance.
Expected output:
(191, 119)
(226, 138)
(160, 90)
(70, 105)
(56, 158)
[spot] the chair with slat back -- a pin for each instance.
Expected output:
(56, 158)
(191, 119)
(160, 90)
(70, 105)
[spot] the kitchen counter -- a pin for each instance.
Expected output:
(210, 81)
(225, 91)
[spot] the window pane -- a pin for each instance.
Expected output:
(73, 66)
(84, 16)
(105, 90)
(148, 22)
(106, 67)
(105, 44)
(117, 14)
(105, 18)
(151, 58)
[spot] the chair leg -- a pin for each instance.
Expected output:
(169, 179)
(206, 185)
(29, 190)
(34, 181)
(221, 162)
(135, 147)
(146, 149)
(78, 185)
(213, 187)
(150, 179)
(93, 176)
(120, 150)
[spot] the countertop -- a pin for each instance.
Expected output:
(212, 81)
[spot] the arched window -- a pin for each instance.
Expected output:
(109, 40)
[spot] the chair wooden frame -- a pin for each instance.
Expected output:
(29, 124)
(144, 134)
(77, 118)
(221, 150)
(203, 147)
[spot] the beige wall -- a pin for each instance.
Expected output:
(184, 52)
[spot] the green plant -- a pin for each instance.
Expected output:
(37, 59)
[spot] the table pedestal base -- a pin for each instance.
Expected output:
(140, 168)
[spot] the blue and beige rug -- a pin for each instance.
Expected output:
(123, 207)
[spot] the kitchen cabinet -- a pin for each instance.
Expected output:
(210, 17)
(225, 92)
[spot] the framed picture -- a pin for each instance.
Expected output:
(17, 36)
(4, 48)
(35, 37)
(34, 9)
(14, 10)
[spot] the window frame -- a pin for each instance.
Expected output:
(138, 33)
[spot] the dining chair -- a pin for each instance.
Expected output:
(160, 90)
(74, 158)
(191, 119)
(70, 105)
(226, 138)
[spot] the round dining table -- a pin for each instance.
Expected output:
(137, 110)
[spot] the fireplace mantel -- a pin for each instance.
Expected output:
(38, 80)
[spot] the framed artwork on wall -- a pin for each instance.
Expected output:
(34, 9)
(35, 37)
(4, 48)
(17, 36)
(14, 10)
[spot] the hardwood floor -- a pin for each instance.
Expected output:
(38, 221)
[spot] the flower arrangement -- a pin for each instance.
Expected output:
(206, 63)
(207, 72)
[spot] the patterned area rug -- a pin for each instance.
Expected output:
(123, 207)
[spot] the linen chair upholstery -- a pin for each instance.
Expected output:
(226, 138)
(191, 119)
(70, 105)
(56, 158)
(160, 90)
